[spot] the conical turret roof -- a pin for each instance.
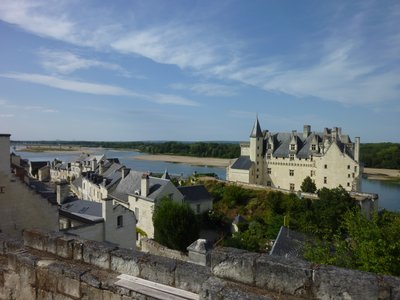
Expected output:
(256, 131)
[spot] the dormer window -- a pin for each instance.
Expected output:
(291, 156)
(292, 147)
(269, 146)
(313, 147)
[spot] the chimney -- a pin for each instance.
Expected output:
(124, 172)
(94, 164)
(357, 149)
(5, 153)
(306, 131)
(62, 192)
(144, 185)
(101, 167)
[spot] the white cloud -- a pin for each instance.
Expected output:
(207, 89)
(97, 89)
(7, 115)
(66, 62)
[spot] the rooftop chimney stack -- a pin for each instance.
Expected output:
(306, 131)
(144, 186)
(357, 149)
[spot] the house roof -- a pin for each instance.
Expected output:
(132, 184)
(166, 175)
(83, 209)
(195, 193)
(35, 165)
(242, 163)
(289, 243)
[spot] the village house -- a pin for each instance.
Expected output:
(284, 159)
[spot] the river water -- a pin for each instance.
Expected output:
(389, 192)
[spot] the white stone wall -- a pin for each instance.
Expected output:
(93, 232)
(23, 208)
(239, 175)
(144, 210)
(125, 235)
(204, 206)
(5, 153)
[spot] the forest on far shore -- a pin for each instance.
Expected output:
(373, 155)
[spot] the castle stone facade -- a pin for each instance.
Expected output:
(284, 159)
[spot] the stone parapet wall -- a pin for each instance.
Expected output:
(56, 266)
(152, 247)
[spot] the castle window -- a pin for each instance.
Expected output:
(291, 156)
(312, 173)
(120, 221)
(291, 172)
(348, 184)
(269, 170)
(348, 175)
(313, 147)
(268, 156)
(326, 166)
(353, 175)
(348, 167)
(292, 147)
(355, 169)
(325, 180)
(292, 186)
(269, 146)
(268, 183)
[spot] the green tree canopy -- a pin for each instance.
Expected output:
(175, 225)
(308, 186)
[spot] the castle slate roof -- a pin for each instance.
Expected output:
(256, 131)
(242, 163)
(195, 193)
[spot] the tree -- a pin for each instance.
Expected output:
(175, 225)
(308, 186)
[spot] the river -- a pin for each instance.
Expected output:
(389, 192)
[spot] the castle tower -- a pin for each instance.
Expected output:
(256, 151)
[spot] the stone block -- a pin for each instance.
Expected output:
(337, 283)
(35, 238)
(23, 263)
(65, 247)
(45, 281)
(291, 276)
(51, 242)
(108, 295)
(389, 287)
(157, 268)
(234, 264)
(90, 293)
(190, 277)
(44, 295)
(12, 245)
(217, 288)
(69, 286)
(77, 249)
(126, 261)
(98, 254)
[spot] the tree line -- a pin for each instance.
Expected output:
(373, 155)
(380, 155)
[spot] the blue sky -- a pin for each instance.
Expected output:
(198, 70)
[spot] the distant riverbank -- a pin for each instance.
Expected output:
(382, 174)
(197, 161)
(56, 149)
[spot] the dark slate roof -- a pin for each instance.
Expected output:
(83, 209)
(195, 193)
(114, 167)
(36, 165)
(256, 131)
(242, 163)
(289, 243)
(132, 183)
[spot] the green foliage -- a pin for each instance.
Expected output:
(201, 149)
(175, 225)
(253, 239)
(380, 155)
(369, 245)
(308, 186)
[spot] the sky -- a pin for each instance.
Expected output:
(198, 70)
